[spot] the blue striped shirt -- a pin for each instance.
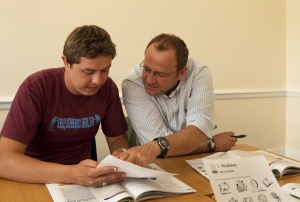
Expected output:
(191, 103)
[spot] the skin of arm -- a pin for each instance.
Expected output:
(180, 145)
(14, 165)
(116, 143)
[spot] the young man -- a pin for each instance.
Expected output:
(169, 100)
(57, 112)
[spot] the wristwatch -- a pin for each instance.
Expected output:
(211, 146)
(164, 145)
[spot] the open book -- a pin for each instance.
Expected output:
(292, 191)
(132, 189)
(279, 165)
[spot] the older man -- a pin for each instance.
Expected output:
(170, 99)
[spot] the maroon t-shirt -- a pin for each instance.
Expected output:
(58, 126)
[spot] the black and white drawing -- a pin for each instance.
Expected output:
(224, 188)
(255, 186)
(233, 200)
(262, 198)
(241, 186)
(275, 196)
(267, 182)
(247, 199)
(254, 183)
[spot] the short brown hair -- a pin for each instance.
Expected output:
(165, 42)
(88, 41)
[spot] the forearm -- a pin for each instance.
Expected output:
(117, 143)
(189, 140)
(19, 167)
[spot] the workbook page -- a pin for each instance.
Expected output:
(243, 179)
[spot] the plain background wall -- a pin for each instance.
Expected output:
(293, 72)
(243, 42)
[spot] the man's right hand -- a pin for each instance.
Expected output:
(141, 155)
(224, 141)
(15, 165)
(86, 173)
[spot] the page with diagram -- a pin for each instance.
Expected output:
(243, 179)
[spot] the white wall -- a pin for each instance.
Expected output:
(242, 41)
(293, 73)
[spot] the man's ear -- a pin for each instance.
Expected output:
(64, 59)
(182, 73)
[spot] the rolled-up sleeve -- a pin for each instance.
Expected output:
(200, 104)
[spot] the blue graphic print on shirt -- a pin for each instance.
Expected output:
(73, 123)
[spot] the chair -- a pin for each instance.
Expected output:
(130, 133)
(94, 150)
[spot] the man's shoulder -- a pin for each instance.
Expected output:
(194, 64)
(51, 73)
(134, 77)
(195, 68)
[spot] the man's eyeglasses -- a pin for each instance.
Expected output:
(155, 74)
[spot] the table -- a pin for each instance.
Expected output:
(11, 191)
(291, 179)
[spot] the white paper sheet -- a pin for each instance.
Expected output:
(198, 164)
(131, 169)
(243, 179)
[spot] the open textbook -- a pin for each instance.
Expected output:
(278, 164)
(292, 191)
(132, 189)
(243, 179)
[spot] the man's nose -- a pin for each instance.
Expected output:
(97, 79)
(151, 78)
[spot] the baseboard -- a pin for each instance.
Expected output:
(292, 153)
(245, 94)
(5, 103)
(280, 151)
(288, 152)
(293, 93)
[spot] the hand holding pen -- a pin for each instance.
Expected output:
(236, 136)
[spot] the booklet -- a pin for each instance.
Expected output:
(278, 164)
(292, 191)
(132, 189)
(243, 179)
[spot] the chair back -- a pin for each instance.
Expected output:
(94, 150)
(130, 133)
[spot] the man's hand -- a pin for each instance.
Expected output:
(224, 141)
(86, 173)
(141, 155)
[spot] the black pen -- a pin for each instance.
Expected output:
(240, 136)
